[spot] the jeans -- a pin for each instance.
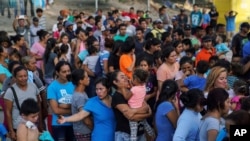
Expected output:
(63, 133)
(31, 7)
(21, 6)
(122, 136)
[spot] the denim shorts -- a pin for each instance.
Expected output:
(122, 136)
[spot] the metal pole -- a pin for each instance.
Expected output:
(148, 5)
(96, 5)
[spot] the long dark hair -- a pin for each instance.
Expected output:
(51, 43)
(168, 90)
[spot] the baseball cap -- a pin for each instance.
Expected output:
(21, 17)
(59, 18)
(206, 39)
(187, 27)
(35, 19)
(157, 21)
(174, 18)
(68, 23)
(126, 19)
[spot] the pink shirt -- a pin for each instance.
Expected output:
(39, 50)
(164, 72)
(138, 95)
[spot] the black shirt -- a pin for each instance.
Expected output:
(145, 54)
(122, 123)
(212, 15)
(113, 61)
(238, 42)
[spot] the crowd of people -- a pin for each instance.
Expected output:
(123, 76)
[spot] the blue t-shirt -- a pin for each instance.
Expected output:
(194, 81)
(104, 120)
(4, 70)
(163, 124)
(83, 54)
(246, 50)
(230, 20)
(222, 47)
(206, 18)
(196, 18)
(62, 94)
(104, 56)
(188, 126)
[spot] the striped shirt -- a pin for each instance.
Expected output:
(42, 22)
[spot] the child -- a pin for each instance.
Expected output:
(27, 129)
(240, 90)
(187, 44)
(151, 85)
(62, 56)
(234, 74)
(190, 53)
(89, 65)
(81, 128)
(197, 80)
(138, 91)
(221, 48)
(230, 22)
(178, 49)
(207, 51)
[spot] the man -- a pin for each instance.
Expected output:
(158, 29)
(21, 25)
(144, 26)
(165, 17)
(41, 17)
(122, 36)
(182, 18)
(187, 32)
(214, 17)
(130, 28)
(240, 39)
(195, 18)
(230, 23)
(59, 20)
(112, 26)
(33, 30)
(139, 41)
(178, 34)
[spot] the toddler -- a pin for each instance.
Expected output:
(138, 91)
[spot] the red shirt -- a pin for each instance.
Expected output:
(204, 54)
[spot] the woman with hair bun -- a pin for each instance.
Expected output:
(193, 101)
(38, 48)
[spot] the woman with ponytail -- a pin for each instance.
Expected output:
(189, 120)
(50, 60)
(167, 111)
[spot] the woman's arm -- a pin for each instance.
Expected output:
(90, 73)
(57, 110)
(8, 108)
(212, 134)
(173, 117)
(105, 66)
(2, 78)
(76, 117)
(134, 114)
(22, 132)
(131, 67)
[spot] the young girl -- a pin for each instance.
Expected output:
(62, 56)
(27, 129)
(240, 89)
(138, 91)
(178, 49)
(64, 40)
(89, 66)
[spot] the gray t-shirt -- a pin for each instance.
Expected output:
(30, 92)
(23, 31)
(90, 61)
(78, 101)
(209, 123)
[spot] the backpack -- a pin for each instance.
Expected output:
(98, 68)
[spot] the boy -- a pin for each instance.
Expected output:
(207, 51)
(21, 25)
(41, 18)
(27, 129)
(230, 20)
(196, 80)
(221, 48)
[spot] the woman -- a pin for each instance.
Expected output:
(169, 67)
(114, 58)
(50, 60)
(20, 45)
(123, 112)
(38, 48)
(218, 105)
(167, 111)
(59, 94)
(178, 46)
(4, 72)
(186, 69)
(100, 108)
(217, 78)
(189, 120)
(23, 90)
